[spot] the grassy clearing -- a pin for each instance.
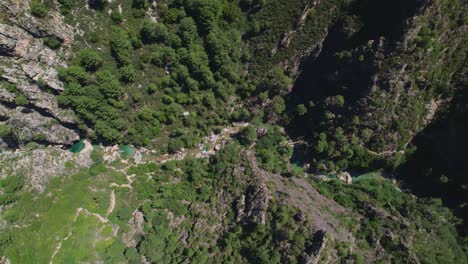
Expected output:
(51, 218)
(88, 241)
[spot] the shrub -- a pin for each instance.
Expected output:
(5, 131)
(116, 16)
(52, 42)
(175, 144)
(301, 110)
(140, 4)
(65, 6)
(38, 8)
(152, 88)
(97, 4)
(21, 100)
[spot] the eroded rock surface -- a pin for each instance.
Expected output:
(29, 77)
(40, 165)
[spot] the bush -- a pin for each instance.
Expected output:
(6, 131)
(175, 144)
(277, 105)
(38, 8)
(65, 6)
(301, 110)
(21, 100)
(116, 16)
(52, 42)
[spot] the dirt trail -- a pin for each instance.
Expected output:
(111, 204)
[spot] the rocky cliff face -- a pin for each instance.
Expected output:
(29, 79)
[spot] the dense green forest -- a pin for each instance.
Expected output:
(246, 131)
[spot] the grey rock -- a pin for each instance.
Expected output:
(26, 62)
(31, 126)
(40, 165)
(256, 203)
(52, 25)
(8, 39)
(345, 177)
(315, 250)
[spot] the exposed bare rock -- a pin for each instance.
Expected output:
(315, 250)
(136, 227)
(29, 59)
(256, 204)
(6, 96)
(31, 126)
(52, 25)
(31, 67)
(240, 208)
(40, 165)
(8, 39)
(345, 177)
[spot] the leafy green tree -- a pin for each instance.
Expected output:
(74, 74)
(108, 84)
(127, 73)
(120, 45)
(248, 135)
(106, 132)
(248, 4)
(301, 109)
(205, 12)
(231, 11)
(188, 31)
(217, 47)
(277, 105)
(154, 32)
(163, 56)
(90, 60)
